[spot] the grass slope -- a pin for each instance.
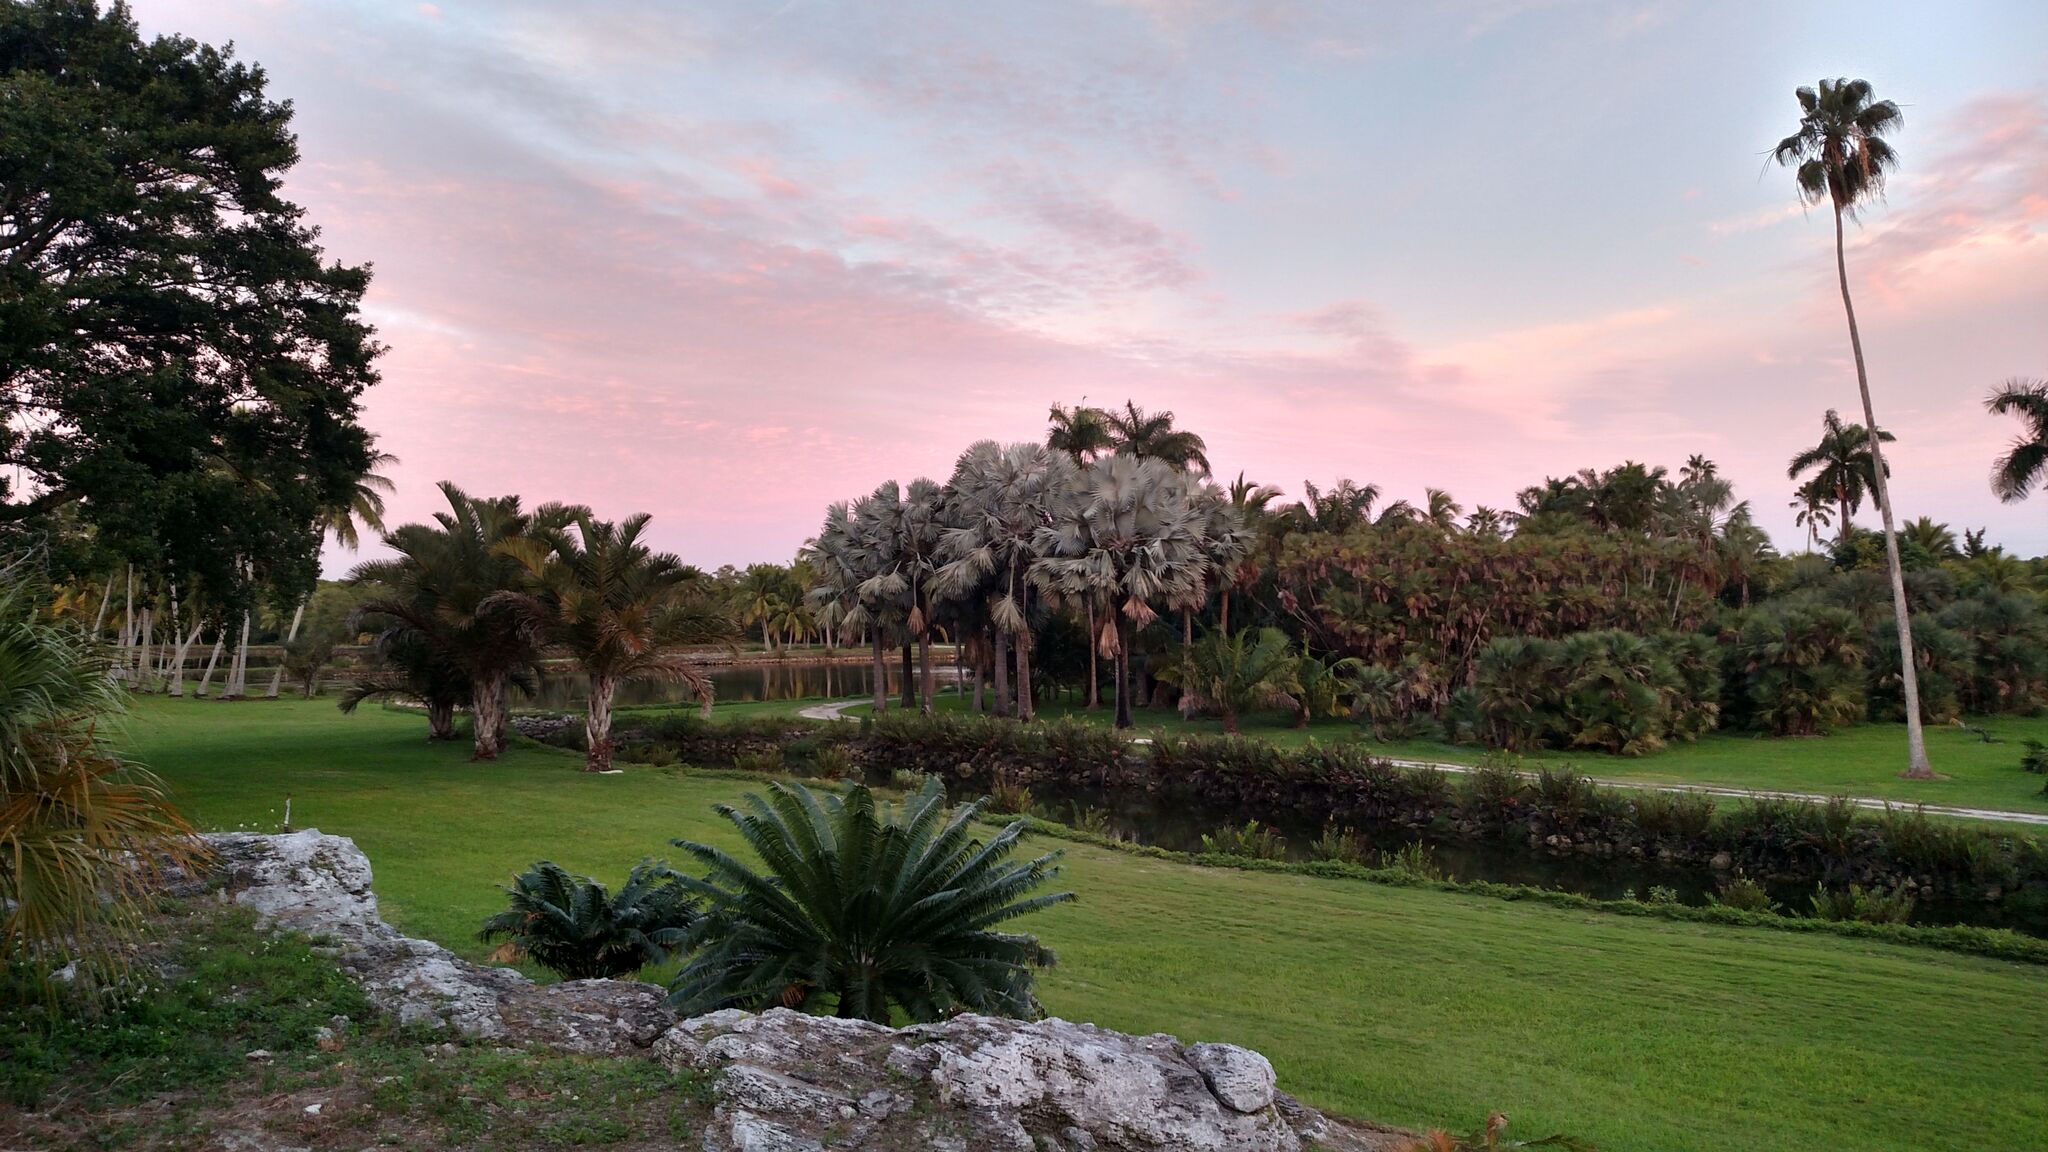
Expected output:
(1863, 761)
(1407, 1007)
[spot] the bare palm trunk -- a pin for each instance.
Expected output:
(1123, 675)
(238, 664)
(1025, 702)
(597, 724)
(99, 618)
(909, 693)
(178, 661)
(1223, 612)
(1187, 665)
(440, 721)
(1002, 673)
(1917, 767)
(485, 717)
(881, 684)
(277, 676)
(977, 679)
(1094, 679)
(925, 684)
(219, 639)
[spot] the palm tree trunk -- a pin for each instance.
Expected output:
(909, 693)
(1841, 494)
(1223, 611)
(440, 720)
(99, 618)
(881, 684)
(484, 714)
(925, 683)
(1123, 675)
(1094, 680)
(178, 661)
(1187, 645)
(219, 637)
(1025, 701)
(238, 666)
(1917, 767)
(277, 677)
(1002, 672)
(597, 724)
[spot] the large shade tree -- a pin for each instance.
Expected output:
(180, 363)
(1840, 157)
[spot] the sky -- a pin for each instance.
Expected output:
(727, 262)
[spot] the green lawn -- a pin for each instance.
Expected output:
(1863, 761)
(1404, 1006)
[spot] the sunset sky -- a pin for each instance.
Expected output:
(726, 262)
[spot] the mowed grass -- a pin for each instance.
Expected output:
(1864, 760)
(1413, 1008)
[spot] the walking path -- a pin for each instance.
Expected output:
(837, 708)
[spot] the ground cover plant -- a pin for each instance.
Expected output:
(1410, 1006)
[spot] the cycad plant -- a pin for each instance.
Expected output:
(83, 833)
(575, 928)
(863, 908)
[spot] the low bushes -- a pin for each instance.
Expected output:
(1343, 786)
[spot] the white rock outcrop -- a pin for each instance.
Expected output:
(788, 1082)
(320, 885)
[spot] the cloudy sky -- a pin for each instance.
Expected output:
(726, 262)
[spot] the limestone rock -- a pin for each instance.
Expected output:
(320, 885)
(984, 1083)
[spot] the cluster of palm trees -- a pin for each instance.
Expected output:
(1113, 519)
(473, 603)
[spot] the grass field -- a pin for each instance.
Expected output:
(1407, 1007)
(1863, 761)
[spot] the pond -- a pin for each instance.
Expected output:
(769, 680)
(1179, 823)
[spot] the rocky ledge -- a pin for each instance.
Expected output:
(788, 1082)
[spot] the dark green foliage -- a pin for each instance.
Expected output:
(1944, 660)
(1744, 895)
(976, 749)
(575, 928)
(864, 909)
(1612, 691)
(1869, 907)
(1344, 845)
(1253, 839)
(1800, 667)
(2035, 758)
(182, 366)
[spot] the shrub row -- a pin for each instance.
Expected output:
(2000, 943)
(1834, 842)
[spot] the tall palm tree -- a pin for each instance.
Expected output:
(439, 592)
(1441, 510)
(2014, 474)
(1841, 156)
(1810, 509)
(1844, 465)
(760, 598)
(1083, 433)
(1132, 538)
(1152, 436)
(1003, 495)
(619, 608)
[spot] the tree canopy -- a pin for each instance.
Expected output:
(180, 363)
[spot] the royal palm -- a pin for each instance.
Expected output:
(1841, 158)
